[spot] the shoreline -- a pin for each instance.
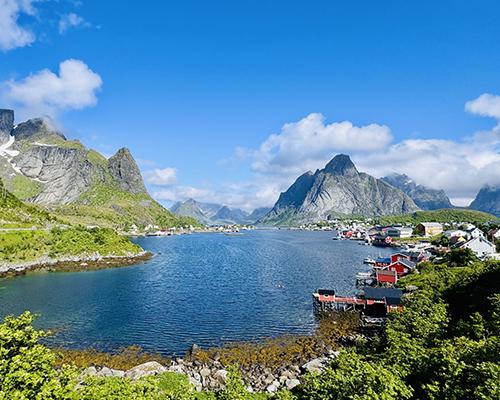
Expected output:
(72, 263)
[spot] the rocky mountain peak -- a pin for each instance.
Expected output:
(6, 124)
(341, 164)
(125, 171)
(337, 190)
(487, 200)
(35, 127)
(423, 196)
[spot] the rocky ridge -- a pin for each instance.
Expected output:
(423, 196)
(216, 214)
(487, 200)
(337, 190)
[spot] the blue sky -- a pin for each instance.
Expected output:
(196, 89)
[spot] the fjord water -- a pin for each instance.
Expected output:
(206, 289)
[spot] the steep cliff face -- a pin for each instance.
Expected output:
(6, 125)
(424, 197)
(487, 200)
(338, 189)
(64, 173)
(125, 171)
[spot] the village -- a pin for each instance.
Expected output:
(428, 241)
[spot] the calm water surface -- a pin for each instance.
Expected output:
(206, 289)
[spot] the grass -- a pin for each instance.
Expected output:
(107, 205)
(25, 188)
(16, 214)
(23, 246)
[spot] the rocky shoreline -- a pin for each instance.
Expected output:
(72, 263)
(212, 375)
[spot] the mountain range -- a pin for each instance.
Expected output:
(216, 214)
(339, 189)
(39, 165)
(424, 197)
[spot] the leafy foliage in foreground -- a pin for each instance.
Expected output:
(75, 241)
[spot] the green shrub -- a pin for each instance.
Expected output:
(26, 366)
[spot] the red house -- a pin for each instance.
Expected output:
(401, 266)
(386, 276)
(399, 256)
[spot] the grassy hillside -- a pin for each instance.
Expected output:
(74, 241)
(16, 214)
(447, 215)
(30, 233)
(106, 205)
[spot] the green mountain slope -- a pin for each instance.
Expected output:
(16, 214)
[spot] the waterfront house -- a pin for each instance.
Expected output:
(381, 262)
(429, 229)
(381, 240)
(372, 301)
(385, 276)
(480, 246)
(398, 231)
(494, 234)
(402, 266)
(381, 301)
(399, 256)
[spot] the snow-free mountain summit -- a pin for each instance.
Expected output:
(339, 189)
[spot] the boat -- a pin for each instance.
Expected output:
(369, 260)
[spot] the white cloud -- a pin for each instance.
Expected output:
(72, 20)
(303, 143)
(486, 105)
(47, 93)
(13, 35)
(460, 167)
(161, 177)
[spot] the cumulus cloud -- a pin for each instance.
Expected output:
(72, 20)
(48, 93)
(486, 105)
(161, 177)
(310, 140)
(13, 35)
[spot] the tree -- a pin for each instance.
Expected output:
(351, 377)
(460, 257)
(26, 366)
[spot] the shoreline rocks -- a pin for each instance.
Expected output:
(212, 375)
(72, 263)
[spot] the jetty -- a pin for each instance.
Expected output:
(374, 302)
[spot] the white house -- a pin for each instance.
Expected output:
(456, 233)
(475, 232)
(480, 246)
